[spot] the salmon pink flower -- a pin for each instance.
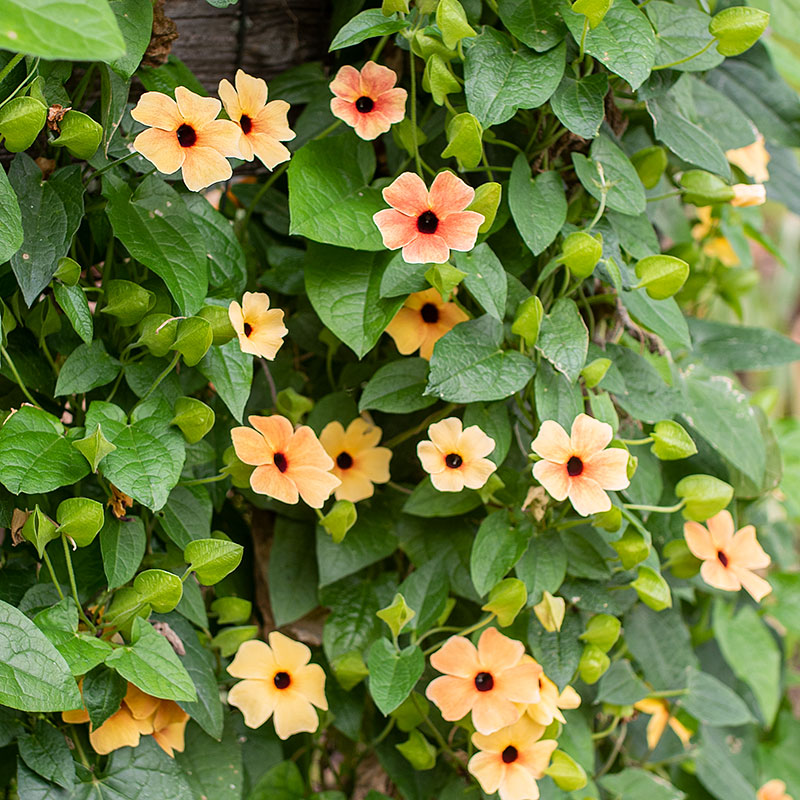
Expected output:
(358, 461)
(456, 457)
(578, 466)
(368, 100)
(262, 125)
(773, 790)
(512, 760)
(289, 464)
(428, 225)
(660, 717)
(489, 680)
(279, 683)
(551, 701)
(422, 321)
(752, 160)
(728, 558)
(185, 134)
(259, 328)
(748, 194)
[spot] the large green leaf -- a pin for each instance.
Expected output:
(397, 387)
(538, 207)
(212, 768)
(498, 546)
(76, 30)
(157, 228)
(187, 515)
(712, 702)
(425, 501)
(365, 25)
(293, 576)
(500, 78)
(122, 542)
(662, 317)
(344, 288)
(393, 674)
(468, 364)
(10, 220)
(231, 372)
(558, 652)
(486, 279)
(45, 751)
(330, 199)
(87, 367)
(718, 765)
(556, 396)
(564, 339)
(33, 674)
(135, 20)
(37, 457)
(536, 23)
(542, 566)
(682, 31)
(579, 104)
(633, 782)
(74, 304)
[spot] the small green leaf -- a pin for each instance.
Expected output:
(159, 589)
(705, 496)
(661, 276)
(538, 207)
(80, 519)
(497, 548)
(212, 559)
(94, 447)
(80, 134)
(193, 417)
(393, 674)
(652, 589)
(671, 441)
(21, 119)
(593, 10)
(39, 529)
(87, 367)
(122, 543)
(738, 28)
(366, 25)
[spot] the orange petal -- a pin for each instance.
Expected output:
(453, 697)
(553, 477)
(396, 229)
(518, 784)
(374, 464)
(446, 434)
(460, 230)
(139, 704)
(347, 83)
(345, 110)
(269, 150)
(449, 316)
(589, 436)
(252, 92)
(250, 446)
(721, 528)
(448, 480)
(305, 450)
(370, 126)
(158, 111)
(656, 726)
(254, 699)
(474, 443)
(431, 458)
(289, 654)
(519, 684)
(161, 149)
(392, 105)
(552, 443)
(204, 166)
(407, 330)
(171, 737)
(254, 659)
(569, 698)
(332, 438)
(294, 714)
(488, 769)
(268, 479)
(432, 335)
(537, 756)
(355, 486)
(587, 496)
(119, 730)
(315, 485)
(476, 473)
(755, 585)
(426, 248)
(490, 712)
(75, 717)
(680, 730)
(277, 430)
(236, 316)
(376, 79)
(310, 682)
(361, 435)
(699, 540)
(457, 656)
(230, 99)
(497, 652)
(222, 135)
(408, 194)
(608, 468)
(744, 550)
(273, 121)
(714, 574)
(197, 111)
(450, 194)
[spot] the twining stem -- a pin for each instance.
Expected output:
(11, 64)
(79, 747)
(606, 731)
(379, 47)
(684, 60)
(271, 383)
(646, 440)
(458, 632)
(413, 78)
(669, 693)
(658, 509)
(163, 375)
(49, 565)
(603, 196)
(73, 586)
(199, 481)
(435, 417)
(17, 378)
(113, 164)
(666, 196)
(583, 35)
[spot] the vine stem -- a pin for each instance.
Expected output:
(49, 565)
(200, 481)
(684, 60)
(161, 377)
(113, 164)
(73, 585)
(11, 64)
(20, 382)
(413, 78)
(583, 35)
(435, 417)
(273, 391)
(659, 509)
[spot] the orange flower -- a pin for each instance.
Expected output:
(578, 466)
(551, 701)
(289, 464)
(279, 683)
(488, 680)
(748, 194)
(259, 328)
(169, 727)
(428, 225)
(773, 790)
(455, 458)
(186, 135)
(512, 760)
(752, 160)
(728, 557)
(717, 246)
(358, 461)
(263, 126)
(422, 321)
(368, 100)
(660, 718)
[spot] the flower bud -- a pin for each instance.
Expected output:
(452, 22)
(464, 141)
(702, 188)
(236, 470)
(671, 441)
(566, 773)
(389, 7)
(68, 271)
(444, 278)
(230, 610)
(681, 560)
(602, 631)
(157, 333)
(349, 669)
(80, 134)
(21, 119)
(746, 195)
(397, 615)
(661, 276)
(339, 519)
(506, 600)
(127, 301)
(528, 319)
(631, 548)
(593, 373)
(94, 448)
(80, 519)
(194, 418)
(593, 664)
(580, 252)
(737, 28)
(550, 612)
(652, 589)
(39, 530)
(418, 751)
(705, 496)
(193, 339)
(650, 163)
(217, 317)
(292, 405)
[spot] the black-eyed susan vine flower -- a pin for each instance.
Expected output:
(259, 328)
(278, 682)
(185, 134)
(263, 126)
(358, 461)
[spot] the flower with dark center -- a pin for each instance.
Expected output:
(282, 680)
(259, 328)
(279, 459)
(365, 104)
(427, 222)
(453, 460)
(574, 466)
(484, 682)
(344, 460)
(187, 136)
(510, 754)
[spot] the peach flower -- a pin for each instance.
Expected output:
(358, 461)
(728, 558)
(260, 329)
(773, 790)
(368, 100)
(578, 466)
(660, 717)
(422, 321)
(748, 194)
(551, 701)
(289, 464)
(455, 457)
(185, 134)
(752, 159)
(428, 225)
(489, 680)
(279, 683)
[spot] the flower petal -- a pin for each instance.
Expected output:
(396, 229)
(252, 92)
(491, 712)
(457, 656)
(518, 784)
(310, 682)
(305, 450)
(197, 111)
(497, 652)
(374, 464)
(552, 443)
(221, 135)
(721, 528)
(277, 431)
(250, 446)
(474, 443)
(520, 684)
(446, 434)
(376, 79)
(488, 770)
(255, 699)
(450, 194)
(699, 540)
(355, 486)
(448, 480)
(315, 485)
(453, 696)
(754, 584)
(537, 756)
(745, 551)
(714, 574)
(253, 659)
(119, 730)
(392, 105)
(407, 330)
(553, 477)
(370, 126)
(476, 473)
(345, 110)
(139, 704)
(273, 120)
(431, 457)
(426, 248)
(161, 149)
(587, 496)
(347, 83)
(269, 480)
(408, 194)
(589, 436)
(268, 149)
(608, 468)
(230, 99)
(158, 111)
(460, 230)
(204, 166)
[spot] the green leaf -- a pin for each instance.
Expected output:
(366, 25)
(33, 675)
(74, 304)
(425, 501)
(231, 372)
(393, 674)
(159, 589)
(80, 519)
(87, 367)
(468, 364)
(186, 515)
(45, 751)
(150, 663)
(542, 566)
(498, 546)
(53, 212)
(426, 590)
(492, 419)
(623, 42)
(750, 650)
(10, 220)
(558, 652)
(712, 702)
(621, 686)
(634, 782)
(37, 457)
(662, 317)
(281, 782)
(501, 78)
(718, 765)
(135, 22)
(103, 691)
(21, 119)
(625, 189)
(485, 280)
(113, 99)
(293, 576)
(538, 207)
(212, 559)
(80, 134)
(157, 228)
(212, 768)
(564, 338)
(556, 396)
(122, 543)
(579, 104)
(330, 197)
(149, 456)
(397, 388)
(738, 28)
(536, 23)
(682, 31)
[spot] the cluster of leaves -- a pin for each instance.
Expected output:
(596, 130)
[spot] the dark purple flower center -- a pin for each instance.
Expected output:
(344, 460)
(281, 680)
(484, 681)
(279, 459)
(723, 559)
(365, 104)
(574, 466)
(187, 135)
(245, 123)
(510, 754)
(427, 222)
(430, 313)
(454, 461)
(248, 329)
